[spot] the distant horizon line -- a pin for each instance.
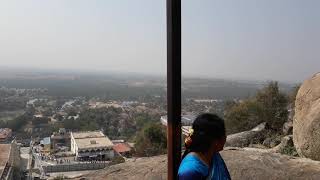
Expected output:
(119, 72)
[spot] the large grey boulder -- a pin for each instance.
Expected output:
(245, 138)
(306, 123)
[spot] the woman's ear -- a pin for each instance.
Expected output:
(219, 144)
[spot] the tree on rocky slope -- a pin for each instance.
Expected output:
(151, 140)
(268, 105)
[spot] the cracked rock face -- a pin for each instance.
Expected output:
(306, 123)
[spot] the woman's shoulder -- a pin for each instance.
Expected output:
(192, 166)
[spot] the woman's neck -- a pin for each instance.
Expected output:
(206, 157)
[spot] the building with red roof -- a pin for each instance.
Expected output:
(123, 149)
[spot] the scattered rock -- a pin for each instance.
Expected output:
(286, 146)
(267, 142)
(287, 128)
(306, 123)
(287, 141)
(271, 142)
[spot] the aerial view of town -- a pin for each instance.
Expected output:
(61, 124)
(159, 90)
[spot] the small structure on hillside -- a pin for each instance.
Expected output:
(91, 145)
(61, 140)
(186, 123)
(186, 120)
(117, 141)
(123, 149)
(5, 134)
(45, 143)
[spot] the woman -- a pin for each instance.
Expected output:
(201, 159)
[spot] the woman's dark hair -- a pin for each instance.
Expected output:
(206, 128)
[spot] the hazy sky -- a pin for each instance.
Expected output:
(245, 39)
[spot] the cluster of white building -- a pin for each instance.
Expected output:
(85, 145)
(93, 145)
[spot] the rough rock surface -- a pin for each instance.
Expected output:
(247, 163)
(285, 147)
(306, 124)
(244, 139)
(153, 168)
(287, 128)
(271, 142)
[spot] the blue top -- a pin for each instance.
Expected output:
(192, 168)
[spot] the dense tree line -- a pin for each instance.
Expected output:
(12, 103)
(87, 87)
(142, 128)
(17, 123)
(114, 122)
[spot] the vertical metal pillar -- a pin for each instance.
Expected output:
(174, 86)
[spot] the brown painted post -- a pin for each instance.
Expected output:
(174, 86)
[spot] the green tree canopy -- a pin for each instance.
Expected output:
(268, 105)
(151, 140)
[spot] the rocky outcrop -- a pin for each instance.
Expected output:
(246, 163)
(287, 128)
(286, 146)
(306, 124)
(153, 168)
(244, 139)
(271, 142)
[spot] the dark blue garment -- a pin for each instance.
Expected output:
(192, 168)
(219, 170)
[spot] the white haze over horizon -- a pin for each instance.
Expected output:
(248, 39)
